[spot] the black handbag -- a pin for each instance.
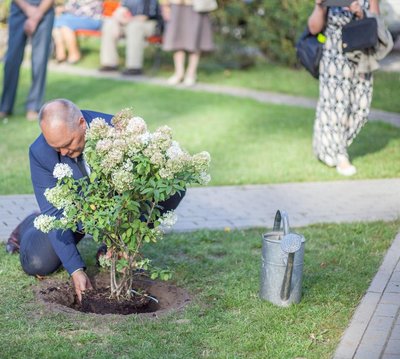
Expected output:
(360, 34)
(309, 52)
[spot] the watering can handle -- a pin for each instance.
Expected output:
(281, 216)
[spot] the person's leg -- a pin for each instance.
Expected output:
(191, 72)
(13, 242)
(179, 63)
(41, 43)
(71, 43)
(13, 59)
(37, 255)
(110, 33)
(136, 32)
(59, 45)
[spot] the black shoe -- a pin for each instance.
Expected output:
(13, 242)
(108, 68)
(102, 251)
(132, 72)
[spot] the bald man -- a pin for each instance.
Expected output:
(62, 140)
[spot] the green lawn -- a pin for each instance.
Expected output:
(226, 318)
(264, 77)
(249, 142)
(269, 77)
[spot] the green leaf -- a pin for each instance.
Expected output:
(154, 275)
(122, 263)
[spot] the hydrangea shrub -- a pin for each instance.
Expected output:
(131, 171)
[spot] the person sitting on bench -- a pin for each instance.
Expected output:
(74, 15)
(136, 20)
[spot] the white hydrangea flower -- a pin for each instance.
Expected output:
(104, 145)
(136, 125)
(122, 180)
(111, 159)
(62, 170)
(174, 151)
(157, 159)
(161, 138)
(98, 128)
(128, 165)
(44, 223)
(201, 161)
(64, 221)
(165, 173)
(58, 197)
(204, 179)
(168, 219)
(145, 138)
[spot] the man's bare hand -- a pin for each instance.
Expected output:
(30, 26)
(81, 283)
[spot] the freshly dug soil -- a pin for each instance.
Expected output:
(159, 297)
(98, 301)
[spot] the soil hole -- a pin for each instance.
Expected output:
(159, 297)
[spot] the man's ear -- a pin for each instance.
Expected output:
(82, 123)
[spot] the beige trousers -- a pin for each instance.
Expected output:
(135, 33)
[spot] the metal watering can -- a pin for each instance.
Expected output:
(282, 263)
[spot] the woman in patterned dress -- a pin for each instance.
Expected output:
(344, 95)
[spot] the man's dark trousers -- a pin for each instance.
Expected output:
(41, 43)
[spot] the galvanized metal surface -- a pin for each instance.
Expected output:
(280, 279)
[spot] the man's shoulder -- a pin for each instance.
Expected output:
(39, 145)
(42, 153)
(89, 116)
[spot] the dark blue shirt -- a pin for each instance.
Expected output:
(149, 8)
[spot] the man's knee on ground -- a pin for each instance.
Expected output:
(34, 264)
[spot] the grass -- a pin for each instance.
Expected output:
(226, 318)
(249, 142)
(264, 76)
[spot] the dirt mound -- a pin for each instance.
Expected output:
(153, 298)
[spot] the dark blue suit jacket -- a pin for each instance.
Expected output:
(42, 159)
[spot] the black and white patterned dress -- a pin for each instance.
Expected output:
(344, 95)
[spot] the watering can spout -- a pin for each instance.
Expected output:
(290, 244)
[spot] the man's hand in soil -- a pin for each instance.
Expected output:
(81, 283)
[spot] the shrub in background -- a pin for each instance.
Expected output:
(270, 26)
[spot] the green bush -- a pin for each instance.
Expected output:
(270, 26)
(4, 10)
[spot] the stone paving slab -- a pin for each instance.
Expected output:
(239, 207)
(374, 331)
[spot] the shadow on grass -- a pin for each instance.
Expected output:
(367, 141)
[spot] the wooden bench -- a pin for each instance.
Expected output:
(109, 6)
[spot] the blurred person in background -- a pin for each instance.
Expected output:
(74, 15)
(187, 31)
(136, 20)
(29, 19)
(344, 94)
